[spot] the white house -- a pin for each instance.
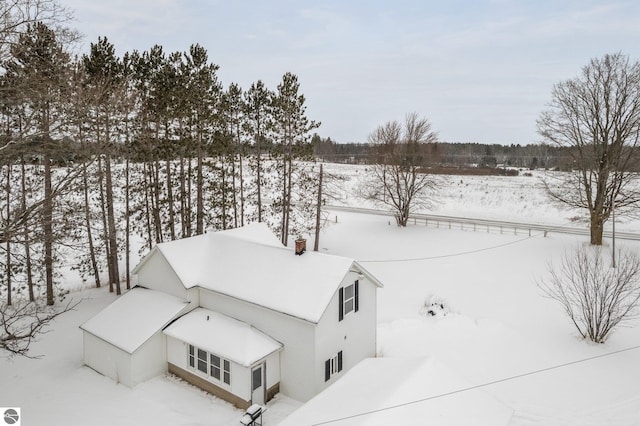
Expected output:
(239, 315)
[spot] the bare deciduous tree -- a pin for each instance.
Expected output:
(597, 116)
(15, 15)
(22, 323)
(595, 296)
(399, 177)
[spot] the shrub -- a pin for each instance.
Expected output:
(595, 296)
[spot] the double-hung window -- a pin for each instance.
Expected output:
(348, 298)
(332, 366)
(215, 367)
(202, 361)
(192, 356)
(218, 369)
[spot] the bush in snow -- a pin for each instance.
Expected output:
(434, 307)
(596, 296)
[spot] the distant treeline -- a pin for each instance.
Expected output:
(446, 154)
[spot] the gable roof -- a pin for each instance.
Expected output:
(250, 264)
(223, 336)
(384, 391)
(134, 317)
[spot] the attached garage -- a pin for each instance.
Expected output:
(125, 340)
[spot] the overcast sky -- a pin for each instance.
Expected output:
(480, 70)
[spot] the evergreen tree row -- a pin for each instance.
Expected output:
(99, 148)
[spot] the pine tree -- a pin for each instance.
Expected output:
(258, 122)
(104, 81)
(42, 68)
(291, 130)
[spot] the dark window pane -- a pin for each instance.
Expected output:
(348, 292)
(202, 355)
(192, 362)
(227, 377)
(202, 365)
(348, 306)
(257, 379)
(227, 365)
(215, 372)
(215, 360)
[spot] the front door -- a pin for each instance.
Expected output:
(258, 385)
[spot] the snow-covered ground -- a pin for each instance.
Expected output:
(497, 326)
(519, 198)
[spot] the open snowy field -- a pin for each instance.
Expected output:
(497, 326)
(519, 198)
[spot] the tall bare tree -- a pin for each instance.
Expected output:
(597, 116)
(399, 177)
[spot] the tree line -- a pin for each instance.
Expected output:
(454, 155)
(96, 148)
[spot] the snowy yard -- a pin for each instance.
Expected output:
(497, 326)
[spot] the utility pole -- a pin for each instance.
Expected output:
(613, 233)
(316, 242)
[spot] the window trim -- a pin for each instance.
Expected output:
(191, 357)
(223, 368)
(333, 366)
(353, 300)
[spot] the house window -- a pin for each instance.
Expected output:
(256, 379)
(218, 369)
(348, 300)
(227, 372)
(202, 361)
(332, 366)
(215, 367)
(192, 358)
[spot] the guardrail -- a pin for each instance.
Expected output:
(475, 224)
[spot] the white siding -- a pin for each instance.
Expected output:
(156, 274)
(355, 335)
(106, 359)
(193, 297)
(297, 360)
(177, 351)
(241, 381)
(150, 359)
(273, 369)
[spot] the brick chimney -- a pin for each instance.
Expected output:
(301, 246)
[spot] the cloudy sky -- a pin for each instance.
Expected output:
(480, 70)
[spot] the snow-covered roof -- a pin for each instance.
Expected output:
(386, 389)
(250, 264)
(134, 317)
(224, 336)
